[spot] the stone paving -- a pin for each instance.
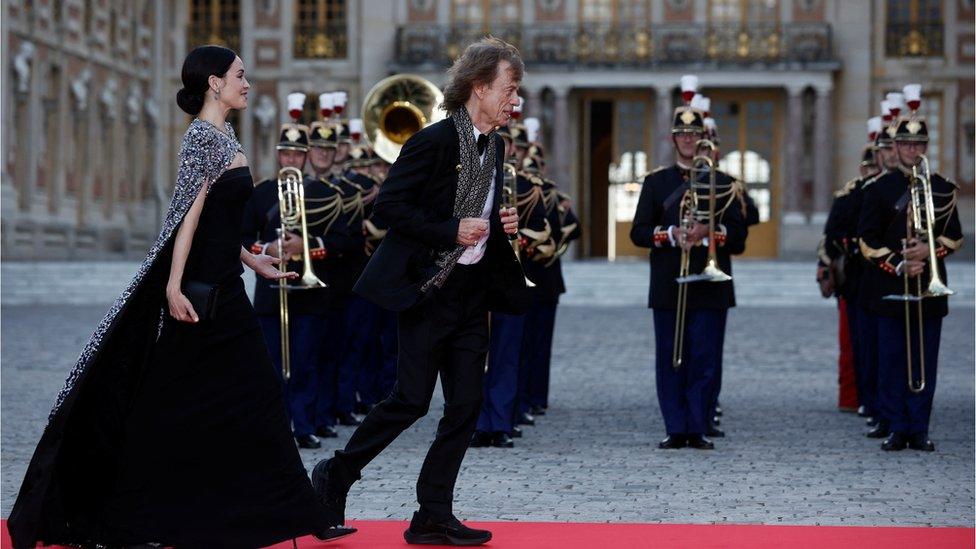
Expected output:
(790, 457)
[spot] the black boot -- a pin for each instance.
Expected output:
(881, 430)
(480, 439)
(516, 432)
(425, 530)
(348, 419)
(525, 419)
(331, 482)
(715, 432)
(308, 442)
(895, 442)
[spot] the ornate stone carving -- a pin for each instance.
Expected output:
(108, 98)
(132, 104)
(152, 111)
(22, 66)
(265, 112)
(79, 89)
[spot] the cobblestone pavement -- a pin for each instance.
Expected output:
(789, 457)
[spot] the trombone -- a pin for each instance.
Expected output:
(919, 225)
(291, 208)
(702, 165)
(510, 200)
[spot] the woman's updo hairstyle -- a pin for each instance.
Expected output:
(202, 63)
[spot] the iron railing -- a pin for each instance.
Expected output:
(572, 45)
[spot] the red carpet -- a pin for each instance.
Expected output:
(537, 535)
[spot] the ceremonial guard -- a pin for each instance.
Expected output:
(867, 292)
(839, 270)
(908, 225)
(378, 373)
(345, 243)
(684, 216)
(497, 420)
(354, 309)
(546, 267)
(260, 234)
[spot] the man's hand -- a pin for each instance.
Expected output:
(697, 233)
(265, 266)
(510, 220)
(913, 267)
(470, 230)
(292, 244)
(916, 250)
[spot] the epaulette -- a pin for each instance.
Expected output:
(536, 180)
(874, 178)
(846, 189)
(947, 180)
(355, 185)
(652, 172)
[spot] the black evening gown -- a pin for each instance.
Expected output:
(207, 456)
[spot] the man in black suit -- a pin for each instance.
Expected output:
(444, 264)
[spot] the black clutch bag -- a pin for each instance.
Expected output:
(203, 298)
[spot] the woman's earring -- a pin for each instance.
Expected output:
(217, 93)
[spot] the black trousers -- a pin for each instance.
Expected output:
(447, 334)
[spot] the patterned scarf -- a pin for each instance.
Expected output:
(474, 180)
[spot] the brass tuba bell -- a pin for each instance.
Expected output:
(396, 108)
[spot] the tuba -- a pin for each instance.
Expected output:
(396, 108)
(291, 207)
(919, 225)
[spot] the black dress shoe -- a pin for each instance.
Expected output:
(516, 432)
(538, 411)
(331, 482)
(525, 419)
(326, 432)
(699, 442)
(718, 410)
(862, 411)
(347, 419)
(480, 439)
(920, 441)
(881, 430)
(672, 442)
(308, 442)
(715, 432)
(895, 442)
(425, 530)
(716, 420)
(500, 439)
(335, 532)
(872, 421)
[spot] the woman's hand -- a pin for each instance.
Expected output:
(267, 267)
(179, 306)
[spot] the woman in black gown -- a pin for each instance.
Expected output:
(171, 429)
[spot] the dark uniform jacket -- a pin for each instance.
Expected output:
(658, 209)
(261, 221)
(882, 226)
(417, 201)
(840, 244)
(548, 272)
(347, 268)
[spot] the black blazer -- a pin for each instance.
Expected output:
(417, 201)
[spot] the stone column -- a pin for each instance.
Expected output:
(533, 103)
(559, 157)
(663, 150)
(792, 212)
(823, 185)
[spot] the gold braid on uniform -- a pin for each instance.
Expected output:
(539, 245)
(373, 236)
(354, 203)
(328, 208)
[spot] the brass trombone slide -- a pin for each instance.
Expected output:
(700, 165)
(510, 200)
(291, 209)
